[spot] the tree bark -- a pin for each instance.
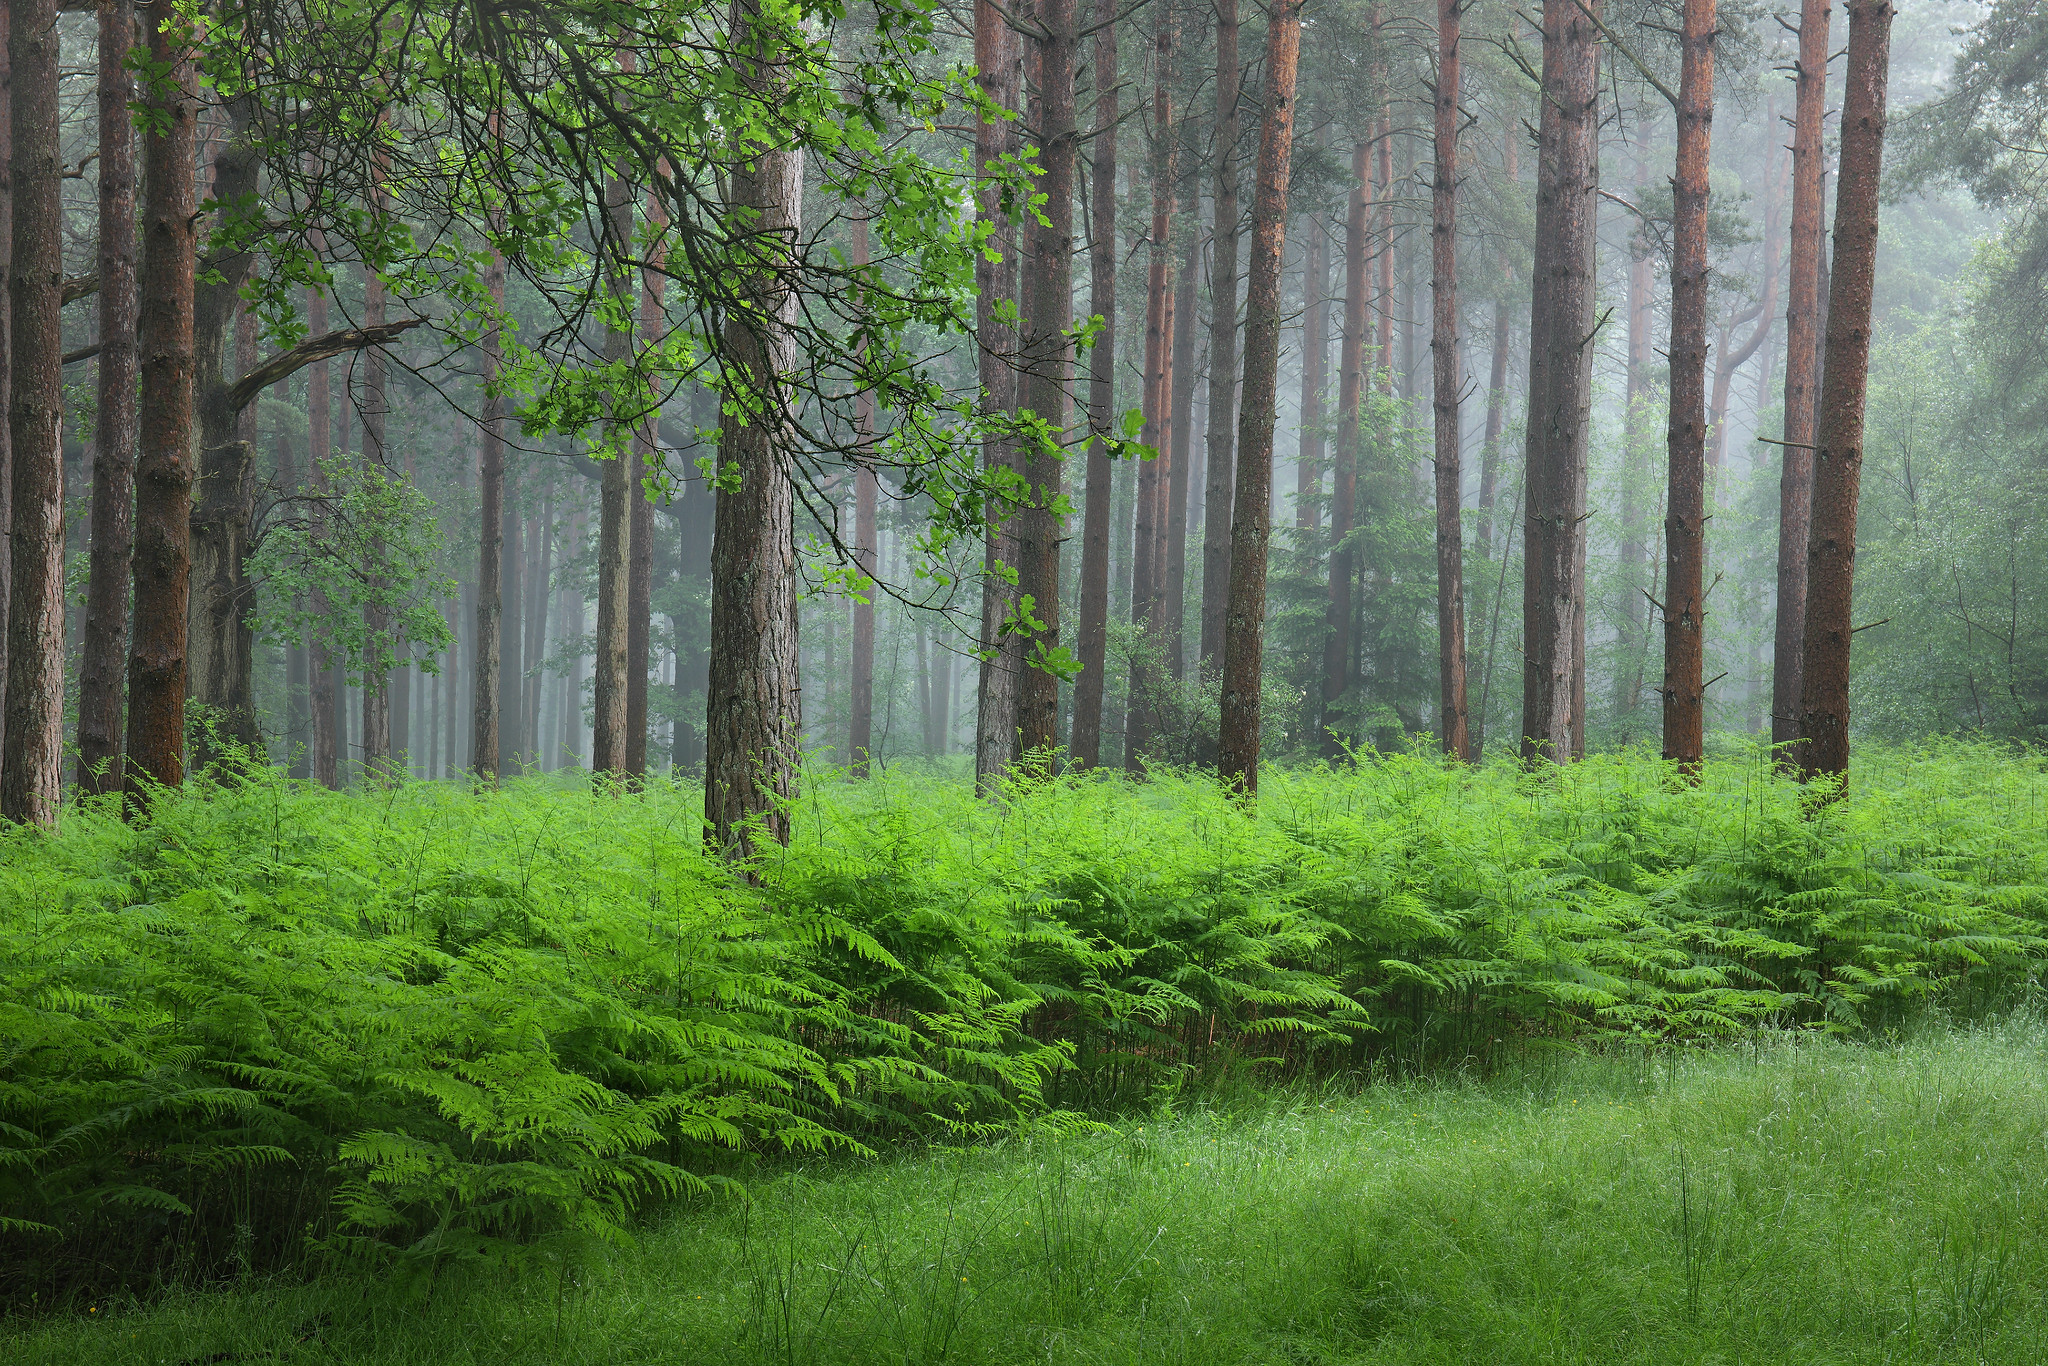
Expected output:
(1049, 372)
(1148, 573)
(1221, 474)
(540, 540)
(1173, 601)
(866, 495)
(1561, 334)
(325, 699)
(998, 62)
(1443, 342)
(485, 719)
(1344, 472)
(1685, 511)
(1631, 634)
(114, 432)
(6, 352)
(378, 759)
(1315, 369)
(1838, 454)
(1803, 288)
(1093, 638)
(31, 776)
(1251, 514)
(615, 520)
(756, 717)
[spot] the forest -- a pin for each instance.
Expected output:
(776, 681)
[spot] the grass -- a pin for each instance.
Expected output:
(1795, 1200)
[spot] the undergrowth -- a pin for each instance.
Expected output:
(429, 1026)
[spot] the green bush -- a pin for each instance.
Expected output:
(430, 1024)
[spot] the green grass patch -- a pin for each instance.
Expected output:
(1800, 1200)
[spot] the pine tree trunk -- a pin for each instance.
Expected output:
(1093, 635)
(6, 353)
(1560, 383)
(615, 522)
(31, 776)
(1173, 601)
(866, 495)
(114, 431)
(1631, 634)
(1803, 341)
(1838, 454)
(1049, 373)
(1450, 531)
(1148, 571)
(1315, 367)
(541, 542)
(1685, 511)
(1251, 513)
(1221, 475)
(756, 716)
(487, 667)
(1351, 363)
(325, 699)
(639, 602)
(998, 61)
(163, 466)
(378, 760)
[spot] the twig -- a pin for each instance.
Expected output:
(1623, 49)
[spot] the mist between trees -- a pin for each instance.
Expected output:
(705, 387)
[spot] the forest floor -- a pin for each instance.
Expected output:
(1795, 1200)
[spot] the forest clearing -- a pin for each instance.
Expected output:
(762, 680)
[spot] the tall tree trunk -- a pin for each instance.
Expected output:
(1560, 382)
(640, 571)
(1803, 340)
(1315, 367)
(1383, 354)
(1496, 423)
(540, 566)
(998, 62)
(1443, 342)
(164, 470)
(114, 434)
(31, 776)
(756, 717)
(1685, 512)
(1222, 459)
(615, 516)
(1173, 601)
(866, 495)
(1049, 373)
(326, 696)
(6, 353)
(1838, 454)
(377, 756)
(1631, 634)
(1251, 514)
(487, 667)
(1351, 363)
(1148, 573)
(1093, 636)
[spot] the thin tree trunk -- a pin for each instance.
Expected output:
(319, 433)
(1093, 636)
(640, 573)
(615, 520)
(1173, 604)
(1049, 373)
(1838, 455)
(6, 353)
(998, 62)
(1496, 422)
(1351, 365)
(541, 542)
(1223, 377)
(114, 431)
(1251, 515)
(378, 760)
(1803, 339)
(485, 720)
(31, 776)
(866, 495)
(1315, 367)
(756, 715)
(1443, 342)
(1148, 573)
(1383, 354)
(1560, 382)
(1631, 617)
(1685, 514)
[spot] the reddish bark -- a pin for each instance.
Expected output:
(1803, 337)
(1173, 600)
(615, 521)
(485, 720)
(1221, 472)
(1251, 514)
(1838, 453)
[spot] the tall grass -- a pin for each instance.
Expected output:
(430, 1026)
(1800, 1199)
